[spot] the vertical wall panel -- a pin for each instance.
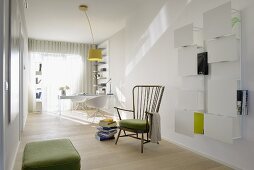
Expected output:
(183, 36)
(193, 83)
(219, 127)
(217, 22)
(222, 97)
(187, 61)
(223, 49)
(184, 122)
(222, 128)
(191, 100)
(230, 70)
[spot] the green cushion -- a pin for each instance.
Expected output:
(136, 124)
(51, 155)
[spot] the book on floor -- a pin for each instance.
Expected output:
(106, 130)
(107, 124)
(102, 138)
(106, 134)
(107, 120)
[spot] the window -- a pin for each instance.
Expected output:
(57, 70)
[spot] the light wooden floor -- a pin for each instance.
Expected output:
(107, 155)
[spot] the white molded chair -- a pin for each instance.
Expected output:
(97, 103)
(78, 104)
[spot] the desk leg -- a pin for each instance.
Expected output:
(60, 107)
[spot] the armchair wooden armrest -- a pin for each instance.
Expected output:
(126, 110)
(118, 108)
(150, 113)
(151, 117)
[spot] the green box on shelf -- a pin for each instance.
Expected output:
(198, 123)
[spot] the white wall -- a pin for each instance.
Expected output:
(148, 56)
(9, 132)
(2, 118)
(26, 77)
(116, 63)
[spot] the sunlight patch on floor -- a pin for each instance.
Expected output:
(84, 117)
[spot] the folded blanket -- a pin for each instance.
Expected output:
(155, 130)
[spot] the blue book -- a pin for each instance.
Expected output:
(108, 131)
(108, 135)
(108, 128)
(100, 138)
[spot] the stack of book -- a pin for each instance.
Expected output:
(242, 102)
(106, 130)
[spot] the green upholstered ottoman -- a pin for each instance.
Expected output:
(57, 154)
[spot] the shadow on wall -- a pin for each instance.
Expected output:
(159, 25)
(155, 30)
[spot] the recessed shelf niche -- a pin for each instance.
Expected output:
(184, 122)
(222, 95)
(191, 100)
(222, 128)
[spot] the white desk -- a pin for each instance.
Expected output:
(79, 97)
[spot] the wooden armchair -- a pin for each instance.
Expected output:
(146, 100)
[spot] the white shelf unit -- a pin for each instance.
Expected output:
(191, 100)
(222, 49)
(222, 33)
(193, 83)
(103, 69)
(222, 95)
(189, 41)
(222, 27)
(223, 128)
(221, 21)
(184, 122)
(188, 35)
(222, 70)
(187, 61)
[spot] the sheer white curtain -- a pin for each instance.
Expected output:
(62, 64)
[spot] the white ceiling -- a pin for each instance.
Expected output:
(61, 20)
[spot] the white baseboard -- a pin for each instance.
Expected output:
(200, 153)
(15, 156)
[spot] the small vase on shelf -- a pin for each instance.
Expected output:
(63, 93)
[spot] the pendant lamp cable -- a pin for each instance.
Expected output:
(89, 22)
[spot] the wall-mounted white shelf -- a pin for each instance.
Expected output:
(230, 70)
(191, 100)
(187, 61)
(222, 128)
(189, 122)
(184, 122)
(220, 21)
(215, 93)
(223, 49)
(101, 66)
(188, 35)
(193, 83)
(222, 95)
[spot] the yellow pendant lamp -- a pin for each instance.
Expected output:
(93, 54)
